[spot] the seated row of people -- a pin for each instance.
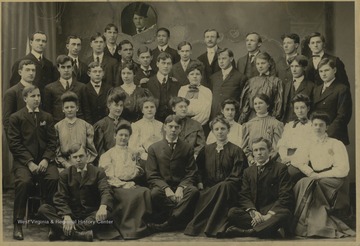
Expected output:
(32, 140)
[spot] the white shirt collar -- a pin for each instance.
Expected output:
(321, 54)
(262, 115)
(72, 57)
(226, 71)
(35, 110)
(79, 170)
(255, 54)
(261, 165)
(287, 57)
(24, 83)
(169, 141)
(63, 82)
(161, 77)
(36, 54)
(327, 84)
(101, 56)
(93, 84)
(300, 79)
(163, 47)
(145, 69)
(212, 50)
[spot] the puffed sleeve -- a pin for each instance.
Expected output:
(245, 109)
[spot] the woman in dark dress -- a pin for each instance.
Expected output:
(220, 169)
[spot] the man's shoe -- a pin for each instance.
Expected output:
(18, 233)
(86, 236)
(234, 231)
(53, 235)
(164, 227)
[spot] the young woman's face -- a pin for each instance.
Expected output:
(262, 65)
(260, 106)
(229, 112)
(301, 110)
(220, 131)
(181, 109)
(194, 77)
(149, 110)
(122, 137)
(70, 109)
(127, 75)
(115, 109)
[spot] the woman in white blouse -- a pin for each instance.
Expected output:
(132, 202)
(325, 163)
(199, 96)
(296, 134)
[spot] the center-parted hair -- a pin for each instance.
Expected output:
(143, 100)
(301, 98)
(61, 59)
(320, 115)
(28, 89)
(24, 63)
(69, 96)
(109, 26)
(232, 102)
(94, 64)
(212, 30)
(262, 139)
(175, 100)
(267, 57)
(292, 36)
(97, 35)
(125, 126)
(222, 120)
(301, 60)
(183, 43)
(172, 118)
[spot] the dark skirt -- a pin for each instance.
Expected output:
(132, 209)
(212, 209)
(315, 201)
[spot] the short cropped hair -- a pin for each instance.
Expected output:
(172, 118)
(320, 115)
(232, 102)
(221, 119)
(69, 96)
(94, 64)
(261, 139)
(316, 34)
(61, 59)
(28, 89)
(292, 36)
(163, 56)
(97, 35)
(301, 98)
(125, 41)
(144, 49)
(31, 37)
(258, 35)
(183, 43)
(72, 37)
(125, 126)
(219, 51)
(24, 63)
(163, 29)
(109, 26)
(212, 30)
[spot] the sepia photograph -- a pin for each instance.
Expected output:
(168, 122)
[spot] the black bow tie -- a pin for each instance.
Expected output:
(193, 88)
(302, 121)
(97, 86)
(315, 55)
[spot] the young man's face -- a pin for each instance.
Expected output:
(172, 130)
(296, 69)
(33, 99)
(126, 52)
(111, 35)
(164, 66)
(327, 73)
(79, 158)
(74, 46)
(289, 46)
(162, 38)
(185, 52)
(38, 43)
(98, 45)
(145, 59)
(139, 21)
(252, 42)
(224, 60)
(28, 72)
(65, 70)
(96, 74)
(210, 39)
(260, 152)
(316, 45)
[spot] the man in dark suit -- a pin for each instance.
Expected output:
(162, 86)
(32, 142)
(73, 45)
(162, 38)
(97, 93)
(316, 43)
(83, 199)
(145, 71)
(53, 92)
(179, 69)
(266, 199)
(109, 64)
(209, 58)
(333, 98)
(290, 44)
(111, 49)
(171, 174)
(13, 99)
(140, 18)
(45, 70)
(246, 64)
(226, 83)
(298, 84)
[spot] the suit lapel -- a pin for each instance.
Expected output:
(29, 117)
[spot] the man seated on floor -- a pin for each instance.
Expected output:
(266, 198)
(82, 201)
(171, 173)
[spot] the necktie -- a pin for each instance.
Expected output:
(147, 72)
(116, 121)
(303, 121)
(164, 80)
(67, 85)
(323, 89)
(40, 58)
(97, 86)
(75, 66)
(252, 58)
(260, 169)
(98, 59)
(172, 145)
(315, 55)
(83, 173)
(35, 118)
